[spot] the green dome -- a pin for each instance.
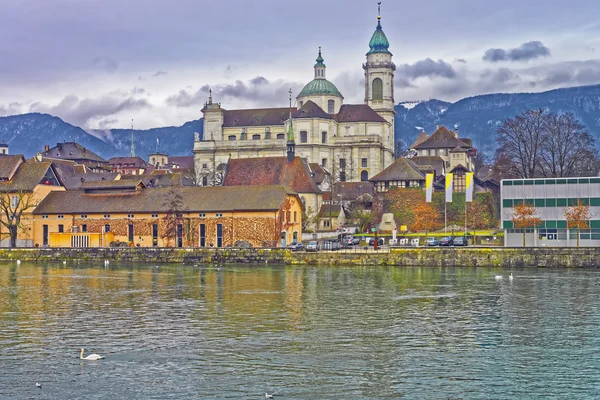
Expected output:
(379, 42)
(318, 87)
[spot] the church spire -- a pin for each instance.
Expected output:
(320, 66)
(379, 42)
(291, 145)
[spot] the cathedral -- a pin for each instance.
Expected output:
(352, 141)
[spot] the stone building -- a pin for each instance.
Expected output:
(352, 141)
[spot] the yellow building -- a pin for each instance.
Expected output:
(127, 213)
(23, 185)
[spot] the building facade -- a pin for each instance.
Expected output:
(352, 141)
(550, 197)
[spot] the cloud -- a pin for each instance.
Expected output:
(11, 109)
(85, 112)
(137, 90)
(461, 60)
(159, 73)
(259, 91)
(525, 52)
(427, 68)
(106, 63)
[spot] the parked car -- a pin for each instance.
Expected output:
(352, 240)
(446, 241)
(461, 241)
(296, 246)
(313, 245)
(432, 242)
(379, 241)
(331, 245)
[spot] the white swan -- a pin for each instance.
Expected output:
(18, 262)
(268, 396)
(510, 277)
(91, 357)
(498, 277)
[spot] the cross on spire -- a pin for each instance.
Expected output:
(379, 10)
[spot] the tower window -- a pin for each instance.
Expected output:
(303, 137)
(330, 106)
(323, 137)
(324, 162)
(377, 89)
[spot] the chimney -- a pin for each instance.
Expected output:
(46, 147)
(38, 156)
(437, 127)
(456, 132)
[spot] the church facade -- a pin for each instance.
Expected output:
(352, 141)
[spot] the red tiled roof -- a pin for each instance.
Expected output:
(357, 113)
(256, 117)
(423, 136)
(136, 161)
(270, 171)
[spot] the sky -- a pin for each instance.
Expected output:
(99, 64)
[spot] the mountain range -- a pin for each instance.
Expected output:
(476, 117)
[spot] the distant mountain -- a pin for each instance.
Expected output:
(28, 133)
(478, 117)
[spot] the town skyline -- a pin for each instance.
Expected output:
(105, 63)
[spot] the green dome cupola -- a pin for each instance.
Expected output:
(319, 86)
(379, 42)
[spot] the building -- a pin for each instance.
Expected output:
(550, 197)
(74, 152)
(130, 165)
(353, 141)
(403, 173)
(125, 211)
(22, 186)
(446, 145)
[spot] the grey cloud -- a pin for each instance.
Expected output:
(461, 60)
(159, 73)
(83, 112)
(137, 90)
(106, 63)
(258, 91)
(426, 68)
(11, 109)
(525, 52)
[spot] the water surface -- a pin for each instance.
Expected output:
(178, 332)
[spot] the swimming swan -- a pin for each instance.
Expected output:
(91, 357)
(498, 277)
(510, 277)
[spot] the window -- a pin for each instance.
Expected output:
(231, 138)
(243, 134)
(61, 217)
(288, 216)
(295, 216)
(155, 235)
(218, 214)
(61, 228)
(14, 201)
(179, 235)
(106, 216)
(45, 235)
(377, 89)
(303, 137)
(205, 180)
(106, 228)
(130, 215)
(342, 176)
(255, 137)
(219, 235)
(295, 236)
(44, 216)
(202, 235)
(324, 162)
(323, 137)
(202, 215)
(330, 106)
(364, 176)
(342, 163)
(154, 215)
(84, 216)
(130, 232)
(280, 136)
(84, 228)
(267, 133)
(364, 162)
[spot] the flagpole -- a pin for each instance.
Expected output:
(445, 219)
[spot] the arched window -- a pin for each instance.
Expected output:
(255, 137)
(231, 137)
(377, 89)
(330, 106)
(364, 176)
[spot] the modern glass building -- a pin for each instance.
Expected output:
(550, 198)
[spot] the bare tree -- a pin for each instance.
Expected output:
(521, 139)
(567, 147)
(173, 203)
(12, 207)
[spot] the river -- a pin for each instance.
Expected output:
(238, 332)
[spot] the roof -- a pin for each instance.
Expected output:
(75, 180)
(159, 180)
(379, 42)
(256, 117)
(310, 110)
(423, 136)
(270, 171)
(319, 86)
(401, 169)
(357, 113)
(133, 162)
(9, 165)
(194, 199)
(351, 191)
(327, 210)
(318, 173)
(28, 176)
(433, 161)
(114, 184)
(72, 151)
(442, 138)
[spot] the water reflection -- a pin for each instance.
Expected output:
(173, 331)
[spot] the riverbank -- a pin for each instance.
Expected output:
(588, 257)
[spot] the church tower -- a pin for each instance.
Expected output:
(379, 77)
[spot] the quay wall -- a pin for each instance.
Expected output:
(588, 257)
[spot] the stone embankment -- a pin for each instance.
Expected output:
(437, 257)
